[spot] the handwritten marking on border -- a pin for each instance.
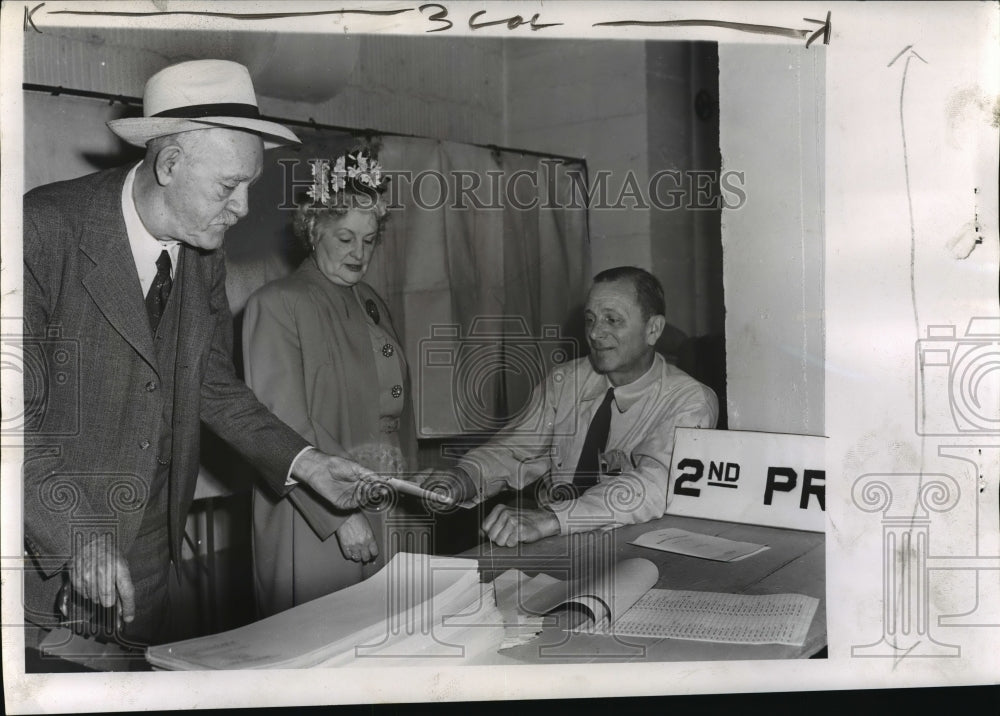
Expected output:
(232, 15)
(512, 22)
(809, 35)
(29, 21)
(441, 15)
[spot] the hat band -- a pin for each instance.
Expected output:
(219, 109)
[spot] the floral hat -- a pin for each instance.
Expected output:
(356, 172)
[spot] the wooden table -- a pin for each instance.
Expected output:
(794, 563)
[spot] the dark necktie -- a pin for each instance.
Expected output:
(589, 467)
(159, 290)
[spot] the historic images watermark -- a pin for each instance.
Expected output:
(48, 367)
(953, 373)
(955, 377)
(549, 186)
(465, 369)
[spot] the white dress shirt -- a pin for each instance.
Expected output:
(145, 247)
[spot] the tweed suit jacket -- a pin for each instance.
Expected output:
(93, 403)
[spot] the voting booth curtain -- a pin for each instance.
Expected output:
(484, 264)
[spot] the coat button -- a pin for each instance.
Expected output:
(163, 461)
(144, 444)
(150, 386)
(388, 350)
(397, 390)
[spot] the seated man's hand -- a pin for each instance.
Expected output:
(357, 540)
(454, 484)
(99, 573)
(341, 482)
(506, 526)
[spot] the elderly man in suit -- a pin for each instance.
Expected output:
(124, 273)
(599, 435)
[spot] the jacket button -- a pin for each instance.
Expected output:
(144, 444)
(397, 390)
(163, 461)
(388, 350)
(150, 386)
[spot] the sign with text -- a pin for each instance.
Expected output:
(768, 479)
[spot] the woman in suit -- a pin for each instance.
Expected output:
(321, 352)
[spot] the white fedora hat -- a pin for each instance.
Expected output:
(198, 95)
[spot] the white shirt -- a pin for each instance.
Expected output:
(145, 247)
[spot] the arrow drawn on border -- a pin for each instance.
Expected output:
(922, 386)
(810, 35)
(232, 15)
(906, 168)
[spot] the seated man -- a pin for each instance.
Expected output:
(605, 434)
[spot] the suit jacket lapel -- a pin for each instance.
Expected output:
(113, 282)
(197, 318)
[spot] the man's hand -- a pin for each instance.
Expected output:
(357, 541)
(506, 526)
(452, 483)
(99, 573)
(341, 482)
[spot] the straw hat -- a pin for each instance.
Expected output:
(197, 95)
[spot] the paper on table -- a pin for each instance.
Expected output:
(712, 616)
(465, 628)
(412, 590)
(603, 592)
(512, 588)
(694, 544)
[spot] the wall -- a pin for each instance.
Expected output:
(683, 135)
(49, 119)
(448, 88)
(628, 109)
(587, 100)
(772, 129)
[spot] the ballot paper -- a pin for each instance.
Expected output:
(712, 616)
(619, 600)
(694, 544)
(465, 629)
(416, 608)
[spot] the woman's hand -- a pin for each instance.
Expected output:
(357, 540)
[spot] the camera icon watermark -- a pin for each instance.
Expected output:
(49, 370)
(958, 379)
(465, 381)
